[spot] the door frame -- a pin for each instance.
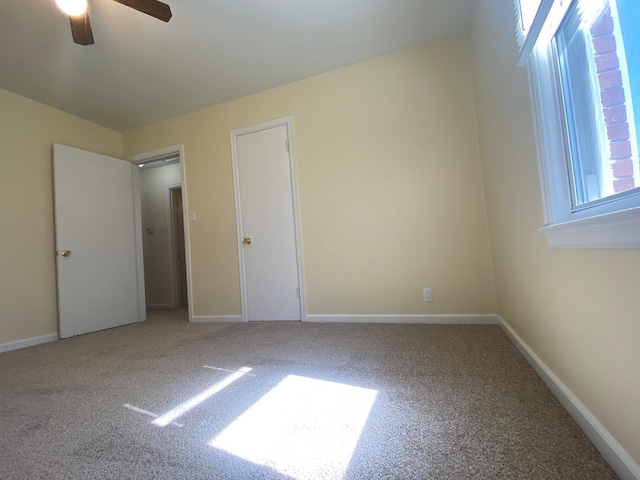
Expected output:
(234, 134)
(149, 156)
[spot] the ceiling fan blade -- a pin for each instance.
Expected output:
(81, 29)
(156, 9)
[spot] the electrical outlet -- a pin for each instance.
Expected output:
(426, 295)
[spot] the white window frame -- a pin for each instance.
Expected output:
(614, 224)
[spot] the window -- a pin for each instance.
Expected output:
(583, 58)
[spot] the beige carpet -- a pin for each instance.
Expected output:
(320, 401)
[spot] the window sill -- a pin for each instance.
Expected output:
(613, 230)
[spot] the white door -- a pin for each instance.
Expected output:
(268, 257)
(95, 241)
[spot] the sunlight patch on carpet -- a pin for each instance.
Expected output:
(304, 428)
(171, 415)
(147, 412)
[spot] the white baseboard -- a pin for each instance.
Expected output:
(28, 342)
(217, 319)
(423, 319)
(614, 453)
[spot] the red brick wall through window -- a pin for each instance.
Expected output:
(612, 96)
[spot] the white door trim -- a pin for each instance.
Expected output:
(172, 149)
(234, 134)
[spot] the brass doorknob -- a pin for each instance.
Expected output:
(246, 240)
(65, 253)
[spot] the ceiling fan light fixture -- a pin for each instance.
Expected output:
(72, 8)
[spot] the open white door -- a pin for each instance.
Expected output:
(97, 265)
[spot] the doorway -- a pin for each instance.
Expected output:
(164, 244)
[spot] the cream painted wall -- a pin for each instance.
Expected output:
(155, 214)
(28, 306)
(389, 182)
(579, 310)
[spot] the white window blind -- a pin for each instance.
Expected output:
(526, 11)
(537, 20)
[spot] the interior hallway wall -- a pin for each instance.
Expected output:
(28, 129)
(579, 310)
(389, 181)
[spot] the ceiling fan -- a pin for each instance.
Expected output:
(79, 15)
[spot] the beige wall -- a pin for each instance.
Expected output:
(579, 310)
(28, 306)
(155, 214)
(389, 181)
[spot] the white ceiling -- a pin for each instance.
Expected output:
(142, 70)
